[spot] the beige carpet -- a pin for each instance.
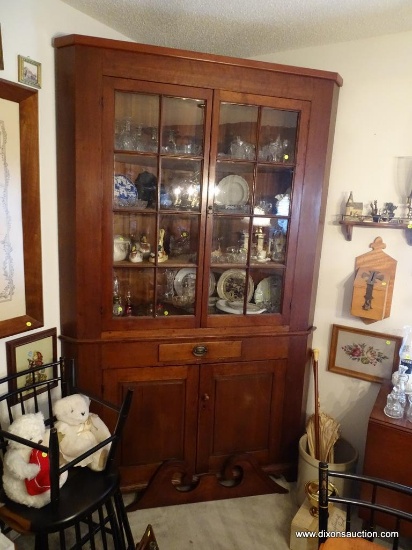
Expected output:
(252, 523)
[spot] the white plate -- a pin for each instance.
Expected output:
(269, 291)
(252, 309)
(183, 273)
(231, 285)
(232, 190)
(238, 306)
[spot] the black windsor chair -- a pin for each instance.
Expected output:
(88, 509)
(379, 501)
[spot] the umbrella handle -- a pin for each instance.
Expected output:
(315, 354)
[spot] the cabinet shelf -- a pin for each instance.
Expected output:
(395, 223)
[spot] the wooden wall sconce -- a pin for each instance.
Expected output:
(373, 285)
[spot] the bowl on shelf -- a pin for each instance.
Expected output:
(182, 301)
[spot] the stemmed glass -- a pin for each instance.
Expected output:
(126, 140)
(170, 278)
(139, 142)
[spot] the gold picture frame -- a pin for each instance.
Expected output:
(363, 354)
(29, 71)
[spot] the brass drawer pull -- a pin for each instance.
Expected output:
(199, 351)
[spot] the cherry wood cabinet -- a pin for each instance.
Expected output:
(387, 451)
(191, 199)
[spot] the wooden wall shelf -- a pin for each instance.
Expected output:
(396, 223)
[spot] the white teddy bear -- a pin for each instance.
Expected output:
(79, 431)
(26, 473)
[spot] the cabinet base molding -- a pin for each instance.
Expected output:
(240, 477)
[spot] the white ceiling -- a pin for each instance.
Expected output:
(248, 28)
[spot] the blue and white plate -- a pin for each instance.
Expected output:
(125, 192)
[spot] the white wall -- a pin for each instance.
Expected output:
(374, 126)
(28, 27)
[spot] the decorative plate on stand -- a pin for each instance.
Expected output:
(231, 285)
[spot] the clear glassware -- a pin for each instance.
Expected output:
(409, 411)
(239, 149)
(117, 301)
(116, 284)
(126, 140)
(128, 306)
(286, 151)
(393, 407)
(405, 353)
(189, 287)
(117, 135)
(273, 151)
(171, 146)
(139, 141)
(170, 278)
(401, 387)
(154, 141)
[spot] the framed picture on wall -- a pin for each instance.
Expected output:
(363, 354)
(29, 71)
(30, 352)
(21, 288)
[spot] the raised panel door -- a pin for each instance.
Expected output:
(162, 421)
(240, 410)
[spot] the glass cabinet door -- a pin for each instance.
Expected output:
(158, 171)
(254, 178)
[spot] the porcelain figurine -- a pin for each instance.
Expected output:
(161, 254)
(135, 255)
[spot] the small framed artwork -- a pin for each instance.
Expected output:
(29, 71)
(363, 354)
(29, 352)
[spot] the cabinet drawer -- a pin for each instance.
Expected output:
(208, 350)
(149, 353)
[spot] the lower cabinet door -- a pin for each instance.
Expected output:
(240, 411)
(201, 414)
(162, 423)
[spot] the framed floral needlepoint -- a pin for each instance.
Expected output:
(363, 354)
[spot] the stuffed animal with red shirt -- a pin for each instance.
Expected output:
(26, 475)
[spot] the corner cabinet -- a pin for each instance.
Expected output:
(191, 198)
